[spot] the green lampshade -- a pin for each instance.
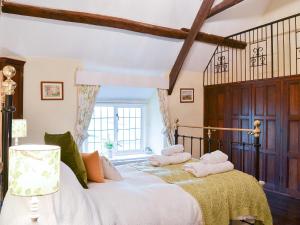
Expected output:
(34, 170)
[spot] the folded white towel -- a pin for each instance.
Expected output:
(162, 160)
(200, 169)
(214, 157)
(173, 149)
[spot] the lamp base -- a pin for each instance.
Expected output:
(34, 207)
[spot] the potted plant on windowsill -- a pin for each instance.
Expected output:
(109, 145)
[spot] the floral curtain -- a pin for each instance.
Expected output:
(86, 102)
(164, 110)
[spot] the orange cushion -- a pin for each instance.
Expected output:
(93, 166)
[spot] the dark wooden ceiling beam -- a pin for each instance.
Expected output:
(222, 6)
(212, 39)
(114, 22)
(188, 43)
(225, 4)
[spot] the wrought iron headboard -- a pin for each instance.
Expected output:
(210, 140)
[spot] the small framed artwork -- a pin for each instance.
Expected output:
(186, 95)
(52, 90)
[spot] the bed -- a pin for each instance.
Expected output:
(139, 199)
(146, 196)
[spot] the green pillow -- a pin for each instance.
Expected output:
(69, 154)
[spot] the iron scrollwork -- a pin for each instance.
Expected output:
(221, 64)
(259, 58)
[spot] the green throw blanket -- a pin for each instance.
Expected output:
(222, 197)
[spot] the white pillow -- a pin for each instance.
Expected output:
(110, 172)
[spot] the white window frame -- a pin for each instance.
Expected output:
(117, 105)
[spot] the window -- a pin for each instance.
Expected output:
(119, 124)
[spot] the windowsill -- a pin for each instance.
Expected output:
(125, 159)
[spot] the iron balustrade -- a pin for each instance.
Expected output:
(273, 51)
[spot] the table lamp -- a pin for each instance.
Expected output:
(34, 171)
(19, 129)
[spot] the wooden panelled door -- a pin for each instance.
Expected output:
(291, 138)
(240, 116)
(266, 108)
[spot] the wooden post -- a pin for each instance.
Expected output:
(257, 145)
(7, 114)
(176, 131)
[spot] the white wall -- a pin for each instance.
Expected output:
(49, 116)
(188, 113)
(154, 125)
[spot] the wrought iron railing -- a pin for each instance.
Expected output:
(273, 50)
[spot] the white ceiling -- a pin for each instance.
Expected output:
(100, 47)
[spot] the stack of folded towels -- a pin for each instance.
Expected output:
(171, 155)
(210, 163)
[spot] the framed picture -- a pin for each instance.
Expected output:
(186, 95)
(52, 90)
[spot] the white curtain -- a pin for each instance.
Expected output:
(164, 110)
(86, 99)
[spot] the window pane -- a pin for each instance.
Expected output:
(126, 134)
(104, 124)
(97, 138)
(132, 112)
(120, 135)
(132, 134)
(138, 123)
(111, 123)
(104, 112)
(110, 112)
(121, 123)
(104, 136)
(132, 122)
(126, 112)
(97, 124)
(97, 112)
(111, 135)
(138, 112)
(126, 123)
(138, 134)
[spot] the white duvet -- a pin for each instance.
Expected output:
(139, 199)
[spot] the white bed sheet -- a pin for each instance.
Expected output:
(143, 199)
(139, 199)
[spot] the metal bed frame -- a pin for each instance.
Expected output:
(209, 140)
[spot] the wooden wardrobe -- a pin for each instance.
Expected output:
(276, 103)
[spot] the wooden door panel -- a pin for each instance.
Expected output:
(271, 100)
(270, 135)
(266, 108)
(259, 101)
(245, 102)
(291, 157)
